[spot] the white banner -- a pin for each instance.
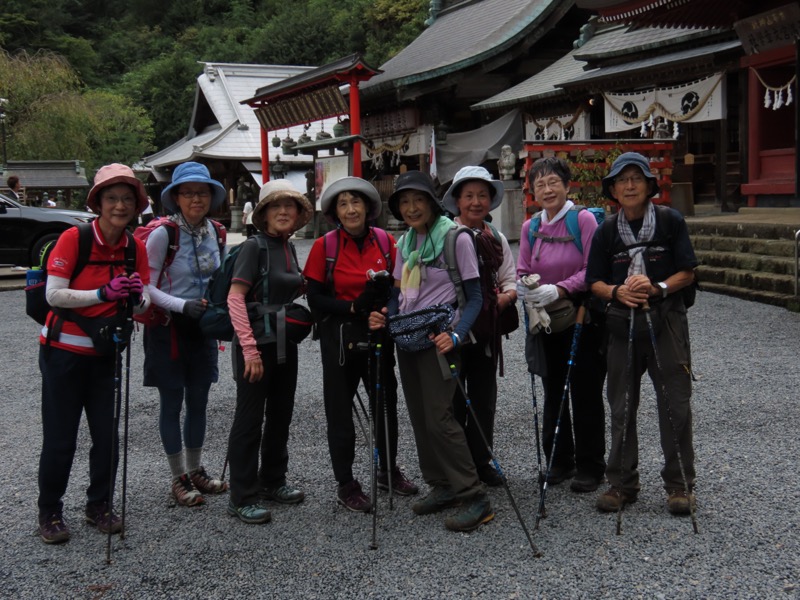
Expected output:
(563, 127)
(702, 100)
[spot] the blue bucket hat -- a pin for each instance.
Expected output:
(625, 160)
(192, 172)
(465, 174)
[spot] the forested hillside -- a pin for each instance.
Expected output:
(113, 80)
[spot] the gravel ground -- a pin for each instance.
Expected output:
(745, 413)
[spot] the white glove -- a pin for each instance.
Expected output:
(542, 295)
(538, 319)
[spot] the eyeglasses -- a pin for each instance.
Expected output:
(193, 195)
(634, 179)
(114, 200)
(554, 184)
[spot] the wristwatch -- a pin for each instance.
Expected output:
(664, 288)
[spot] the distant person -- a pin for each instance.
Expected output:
(147, 214)
(247, 219)
(15, 188)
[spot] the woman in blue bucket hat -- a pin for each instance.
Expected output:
(179, 361)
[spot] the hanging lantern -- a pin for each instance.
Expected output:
(323, 135)
(276, 141)
(339, 129)
(303, 139)
(288, 144)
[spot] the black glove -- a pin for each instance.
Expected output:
(194, 309)
(381, 288)
(365, 303)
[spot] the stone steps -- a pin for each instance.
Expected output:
(753, 261)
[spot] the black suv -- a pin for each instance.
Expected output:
(24, 230)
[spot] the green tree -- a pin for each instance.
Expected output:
(52, 118)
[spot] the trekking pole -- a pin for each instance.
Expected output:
(665, 400)
(539, 472)
(125, 440)
(626, 416)
(373, 485)
(531, 282)
(358, 416)
(114, 432)
(128, 332)
(454, 372)
(564, 395)
(380, 407)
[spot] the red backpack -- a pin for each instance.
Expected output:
(154, 315)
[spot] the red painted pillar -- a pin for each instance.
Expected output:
(264, 156)
(754, 103)
(355, 124)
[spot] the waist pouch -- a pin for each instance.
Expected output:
(411, 331)
(618, 319)
(287, 323)
(103, 331)
(562, 314)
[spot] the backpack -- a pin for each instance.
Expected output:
(154, 315)
(292, 321)
(489, 325)
(36, 305)
(332, 250)
(573, 227)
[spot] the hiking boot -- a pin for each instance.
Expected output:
(582, 484)
(252, 514)
(558, 475)
(99, 515)
(353, 498)
(53, 528)
(185, 493)
(477, 511)
(204, 484)
(615, 498)
(680, 503)
(401, 485)
(489, 475)
(284, 494)
(437, 499)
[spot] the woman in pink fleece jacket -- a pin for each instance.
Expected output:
(560, 262)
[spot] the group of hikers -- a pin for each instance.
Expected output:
(599, 302)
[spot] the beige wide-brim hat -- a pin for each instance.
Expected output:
(276, 190)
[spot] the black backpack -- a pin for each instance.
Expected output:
(36, 305)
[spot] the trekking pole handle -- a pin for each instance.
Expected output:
(581, 315)
(373, 275)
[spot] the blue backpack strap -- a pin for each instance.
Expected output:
(573, 227)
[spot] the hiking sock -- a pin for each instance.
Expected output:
(177, 464)
(193, 456)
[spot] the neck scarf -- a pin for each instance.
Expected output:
(564, 210)
(646, 234)
(198, 232)
(414, 258)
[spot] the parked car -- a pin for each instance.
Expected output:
(25, 230)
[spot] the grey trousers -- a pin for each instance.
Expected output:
(444, 457)
(673, 387)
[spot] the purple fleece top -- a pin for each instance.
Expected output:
(559, 263)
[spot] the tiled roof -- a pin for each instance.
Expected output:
(607, 43)
(48, 173)
(462, 36)
(234, 133)
(683, 59)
